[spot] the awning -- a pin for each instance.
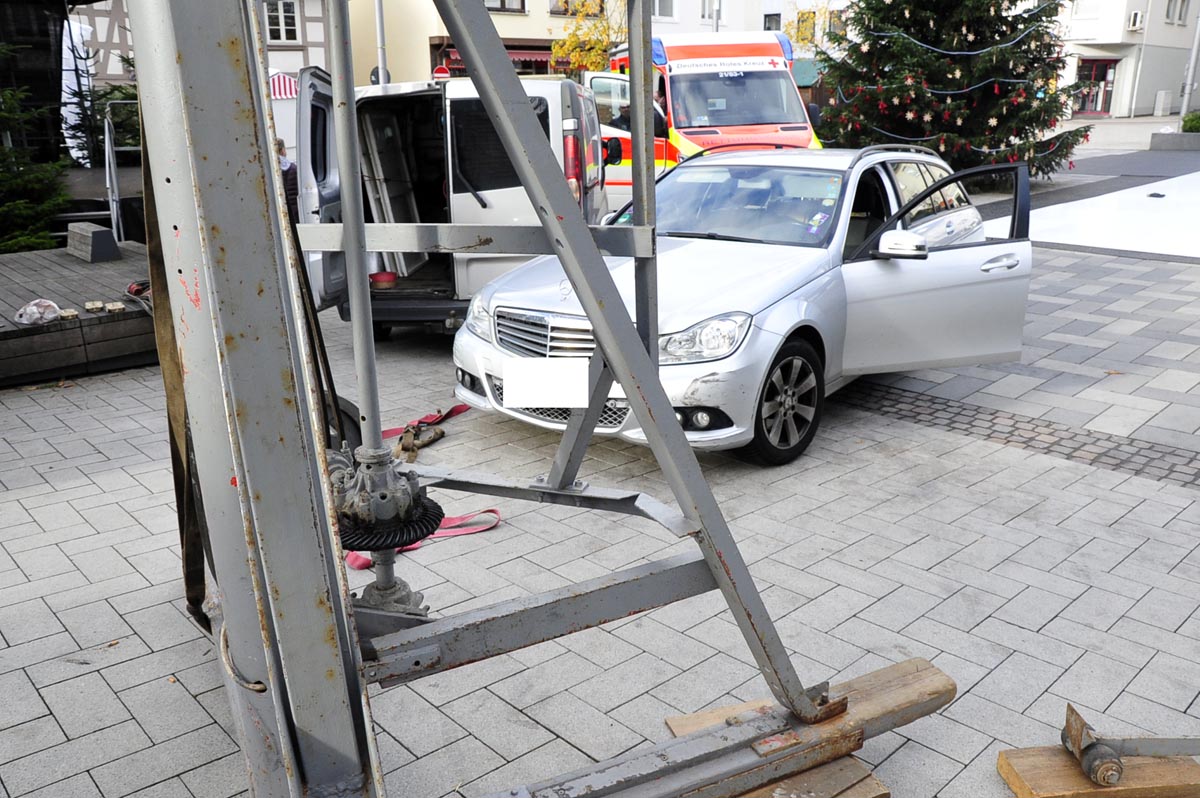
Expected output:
(283, 86)
(540, 56)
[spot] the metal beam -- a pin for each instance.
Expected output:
(252, 400)
(612, 500)
(468, 637)
(474, 34)
(622, 241)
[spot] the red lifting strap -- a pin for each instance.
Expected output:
(425, 421)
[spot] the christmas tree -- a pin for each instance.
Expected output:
(976, 80)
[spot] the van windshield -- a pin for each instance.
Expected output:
(723, 99)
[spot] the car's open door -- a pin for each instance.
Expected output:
(320, 197)
(930, 287)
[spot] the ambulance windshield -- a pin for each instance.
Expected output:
(724, 99)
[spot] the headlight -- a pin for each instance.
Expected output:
(479, 321)
(712, 339)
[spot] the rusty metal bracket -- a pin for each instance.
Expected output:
(1100, 757)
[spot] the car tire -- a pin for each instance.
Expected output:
(790, 405)
(381, 331)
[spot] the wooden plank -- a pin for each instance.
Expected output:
(830, 780)
(870, 787)
(1052, 772)
(686, 724)
(904, 690)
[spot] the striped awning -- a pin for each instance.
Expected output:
(283, 86)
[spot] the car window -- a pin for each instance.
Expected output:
(480, 162)
(783, 205)
(952, 195)
(611, 95)
(911, 180)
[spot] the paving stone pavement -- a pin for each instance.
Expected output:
(1030, 576)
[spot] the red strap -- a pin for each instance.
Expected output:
(451, 526)
(424, 421)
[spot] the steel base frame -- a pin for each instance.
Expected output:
(296, 663)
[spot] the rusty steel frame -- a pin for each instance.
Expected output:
(295, 667)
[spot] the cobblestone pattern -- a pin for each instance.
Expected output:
(1113, 452)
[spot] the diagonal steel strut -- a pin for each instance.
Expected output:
(471, 28)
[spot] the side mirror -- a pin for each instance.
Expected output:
(609, 218)
(901, 245)
(612, 152)
(814, 113)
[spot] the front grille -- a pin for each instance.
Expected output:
(531, 334)
(611, 417)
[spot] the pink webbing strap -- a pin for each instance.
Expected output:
(425, 421)
(452, 526)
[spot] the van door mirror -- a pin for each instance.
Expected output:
(814, 114)
(612, 152)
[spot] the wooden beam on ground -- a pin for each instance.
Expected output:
(878, 701)
(1052, 772)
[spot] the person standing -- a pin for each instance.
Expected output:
(291, 187)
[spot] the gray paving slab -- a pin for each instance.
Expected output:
(1033, 553)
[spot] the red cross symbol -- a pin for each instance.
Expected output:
(773, 63)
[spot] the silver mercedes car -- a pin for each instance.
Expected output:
(783, 275)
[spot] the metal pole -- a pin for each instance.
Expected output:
(380, 42)
(645, 270)
(1137, 75)
(1190, 78)
(345, 132)
(525, 142)
(288, 653)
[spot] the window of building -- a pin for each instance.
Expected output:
(837, 22)
(1183, 10)
(772, 22)
(505, 5)
(806, 27)
(282, 25)
(664, 8)
(573, 7)
(707, 8)
(1170, 12)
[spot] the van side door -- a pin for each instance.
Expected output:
(320, 198)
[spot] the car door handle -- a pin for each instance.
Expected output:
(1002, 262)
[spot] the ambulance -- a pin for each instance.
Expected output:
(711, 89)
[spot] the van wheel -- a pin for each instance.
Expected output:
(789, 405)
(381, 331)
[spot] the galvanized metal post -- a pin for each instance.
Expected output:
(483, 53)
(645, 270)
(345, 131)
(289, 653)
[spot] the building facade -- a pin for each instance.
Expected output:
(1135, 51)
(295, 32)
(417, 41)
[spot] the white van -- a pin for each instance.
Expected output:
(430, 154)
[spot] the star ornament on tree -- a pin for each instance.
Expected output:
(993, 122)
(910, 115)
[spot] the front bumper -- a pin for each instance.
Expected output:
(731, 384)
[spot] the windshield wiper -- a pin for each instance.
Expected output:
(709, 236)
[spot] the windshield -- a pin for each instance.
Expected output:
(770, 204)
(723, 99)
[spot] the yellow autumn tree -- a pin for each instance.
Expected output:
(805, 29)
(596, 27)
